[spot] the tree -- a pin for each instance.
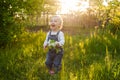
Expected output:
(13, 14)
(51, 6)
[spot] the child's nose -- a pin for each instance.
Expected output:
(53, 22)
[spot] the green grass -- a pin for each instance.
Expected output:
(86, 57)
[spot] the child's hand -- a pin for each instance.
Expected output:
(57, 44)
(45, 47)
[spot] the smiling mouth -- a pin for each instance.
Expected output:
(53, 25)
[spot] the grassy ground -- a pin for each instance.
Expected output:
(86, 57)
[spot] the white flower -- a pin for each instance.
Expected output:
(52, 43)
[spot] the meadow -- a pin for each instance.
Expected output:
(94, 56)
(89, 54)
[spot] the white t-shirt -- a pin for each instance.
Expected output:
(61, 40)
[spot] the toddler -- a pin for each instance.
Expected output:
(54, 41)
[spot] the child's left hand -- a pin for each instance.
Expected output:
(57, 44)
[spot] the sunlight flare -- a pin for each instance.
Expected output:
(84, 6)
(73, 6)
(105, 3)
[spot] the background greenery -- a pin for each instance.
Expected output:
(90, 54)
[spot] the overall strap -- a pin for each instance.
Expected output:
(58, 32)
(49, 35)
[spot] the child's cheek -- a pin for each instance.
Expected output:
(58, 23)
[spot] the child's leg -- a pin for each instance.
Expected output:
(49, 60)
(57, 61)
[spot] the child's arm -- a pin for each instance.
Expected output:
(46, 41)
(61, 39)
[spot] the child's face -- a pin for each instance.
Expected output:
(54, 23)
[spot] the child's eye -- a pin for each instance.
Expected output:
(55, 20)
(51, 20)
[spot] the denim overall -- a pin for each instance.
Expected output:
(53, 59)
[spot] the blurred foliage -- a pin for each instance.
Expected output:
(108, 14)
(13, 14)
(51, 6)
(85, 58)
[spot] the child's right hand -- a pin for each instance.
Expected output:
(45, 47)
